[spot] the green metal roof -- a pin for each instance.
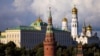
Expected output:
(22, 28)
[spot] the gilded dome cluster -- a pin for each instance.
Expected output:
(74, 10)
(89, 27)
(39, 20)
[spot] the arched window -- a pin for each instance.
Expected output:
(73, 25)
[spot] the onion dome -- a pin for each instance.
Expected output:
(39, 20)
(89, 27)
(64, 19)
(74, 10)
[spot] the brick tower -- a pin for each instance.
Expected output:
(49, 42)
(79, 50)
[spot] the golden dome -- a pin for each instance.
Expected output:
(74, 10)
(89, 27)
(39, 20)
(65, 19)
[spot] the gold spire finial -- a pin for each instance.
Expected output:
(74, 10)
(39, 19)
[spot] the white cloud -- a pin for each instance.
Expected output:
(22, 5)
(16, 20)
(60, 8)
(88, 9)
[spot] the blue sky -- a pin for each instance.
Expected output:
(23, 12)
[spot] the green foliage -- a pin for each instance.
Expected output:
(11, 44)
(10, 49)
(2, 48)
(37, 47)
(59, 52)
(40, 52)
(91, 50)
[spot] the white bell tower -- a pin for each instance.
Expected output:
(74, 23)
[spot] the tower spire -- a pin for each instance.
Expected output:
(50, 17)
(49, 42)
(84, 25)
(50, 12)
(74, 5)
(84, 29)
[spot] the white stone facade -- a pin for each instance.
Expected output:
(74, 26)
(11, 35)
(64, 26)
